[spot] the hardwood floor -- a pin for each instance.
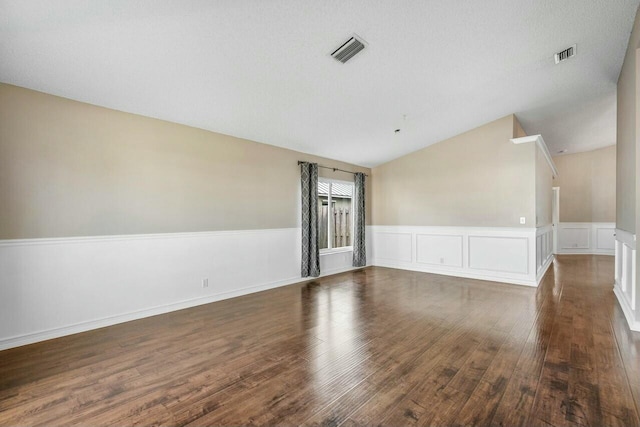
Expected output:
(376, 346)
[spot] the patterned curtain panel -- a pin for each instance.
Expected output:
(359, 251)
(310, 251)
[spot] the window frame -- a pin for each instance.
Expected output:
(329, 249)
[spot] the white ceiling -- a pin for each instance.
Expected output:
(261, 70)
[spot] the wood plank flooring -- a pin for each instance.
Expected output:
(372, 347)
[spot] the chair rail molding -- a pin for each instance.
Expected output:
(542, 146)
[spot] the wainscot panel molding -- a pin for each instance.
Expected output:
(499, 254)
(544, 250)
(596, 238)
(55, 287)
(626, 285)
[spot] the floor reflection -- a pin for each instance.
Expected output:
(375, 346)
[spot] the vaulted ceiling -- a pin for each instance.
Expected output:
(262, 70)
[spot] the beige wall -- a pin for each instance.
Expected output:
(637, 133)
(587, 184)
(544, 189)
(628, 155)
(478, 178)
(518, 132)
(73, 169)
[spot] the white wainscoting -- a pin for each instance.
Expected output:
(497, 254)
(440, 250)
(544, 250)
(626, 284)
(55, 287)
(596, 238)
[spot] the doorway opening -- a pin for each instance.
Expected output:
(555, 217)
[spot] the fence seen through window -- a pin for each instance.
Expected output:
(335, 214)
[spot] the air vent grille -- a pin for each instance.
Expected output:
(348, 49)
(565, 54)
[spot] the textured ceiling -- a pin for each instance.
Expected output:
(261, 70)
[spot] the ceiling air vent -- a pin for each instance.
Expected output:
(565, 54)
(348, 49)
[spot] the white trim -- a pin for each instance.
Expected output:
(500, 270)
(339, 250)
(633, 324)
(544, 268)
(626, 238)
(329, 272)
(331, 181)
(391, 258)
(47, 334)
(544, 250)
(543, 147)
(591, 231)
(444, 272)
(457, 236)
(500, 254)
(625, 284)
(59, 286)
(132, 237)
(544, 229)
(555, 217)
(566, 249)
(450, 229)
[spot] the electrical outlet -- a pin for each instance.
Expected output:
(523, 220)
(441, 260)
(205, 283)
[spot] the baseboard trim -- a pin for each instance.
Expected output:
(48, 334)
(456, 273)
(586, 253)
(544, 269)
(633, 324)
(335, 271)
(586, 238)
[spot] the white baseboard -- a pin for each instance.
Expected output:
(134, 315)
(334, 271)
(584, 253)
(543, 270)
(498, 254)
(634, 324)
(55, 287)
(586, 238)
(464, 274)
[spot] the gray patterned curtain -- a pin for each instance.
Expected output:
(359, 250)
(310, 251)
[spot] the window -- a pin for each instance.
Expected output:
(335, 214)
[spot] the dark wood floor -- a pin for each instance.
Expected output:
(377, 346)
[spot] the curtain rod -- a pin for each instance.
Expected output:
(333, 169)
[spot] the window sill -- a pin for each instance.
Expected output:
(336, 251)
